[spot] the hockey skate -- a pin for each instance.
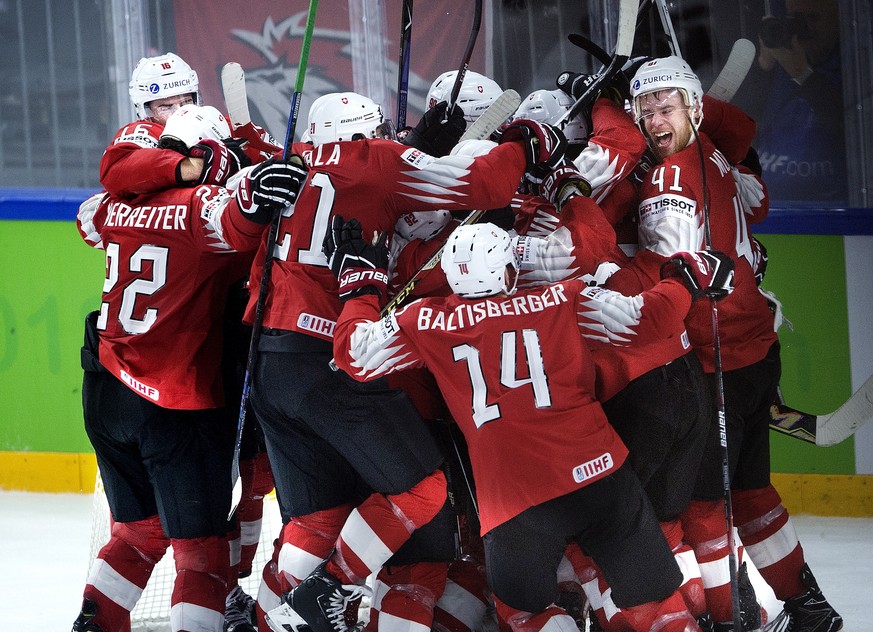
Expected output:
(810, 611)
(318, 604)
(83, 622)
(239, 612)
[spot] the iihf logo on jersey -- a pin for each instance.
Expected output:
(593, 468)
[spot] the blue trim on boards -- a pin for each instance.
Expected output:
(42, 204)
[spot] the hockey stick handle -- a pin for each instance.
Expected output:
(593, 90)
(403, 65)
(719, 398)
(624, 41)
(236, 491)
(468, 54)
(301, 76)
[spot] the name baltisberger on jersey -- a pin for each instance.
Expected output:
(468, 315)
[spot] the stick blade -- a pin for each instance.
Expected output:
(236, 493)
(793, 422)
(501, 109)
(233, 85)
(734, 71)
(858, 410)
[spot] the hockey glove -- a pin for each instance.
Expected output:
(436, 134)
(575, 84)
(544, 145)
(270, 187)
(760, 259)
(359, 266)
(563, 183)
(705, 273)
(219, 162)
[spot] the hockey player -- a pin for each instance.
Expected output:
(152, 390)
(694, 189)
(528, 391)
(158, 87)
(439, 129)
(325, 459)
(664, 438)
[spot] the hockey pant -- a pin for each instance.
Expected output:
(609, 615)
(124, 565)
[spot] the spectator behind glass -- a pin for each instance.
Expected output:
(795, 94)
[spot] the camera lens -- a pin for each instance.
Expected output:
(775, 33)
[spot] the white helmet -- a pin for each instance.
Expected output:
(194, 123)
(422, 224)
(161, 77)
(344, 115)
(475, 259)
(548, 106)
(476, 94)
(667, 73)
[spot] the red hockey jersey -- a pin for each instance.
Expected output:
(134, 165)
(671, 215)
(170, 259)
(374, 181)
(517, 377)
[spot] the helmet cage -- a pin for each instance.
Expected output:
(667, 73)
(475, 260)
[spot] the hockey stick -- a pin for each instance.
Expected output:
(734, 71)
(830, 429)
(236, 494)
(667, 24)
(492, 118)
(403, 64)
(501, 109)
(233, 85)
(468, 54)
(624, 41)
(733, 568)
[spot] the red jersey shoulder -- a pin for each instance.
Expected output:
(146, 134)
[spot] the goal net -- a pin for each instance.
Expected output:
(152, 611)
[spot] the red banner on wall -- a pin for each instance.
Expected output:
(267, 35)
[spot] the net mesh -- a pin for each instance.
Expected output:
(152, 611)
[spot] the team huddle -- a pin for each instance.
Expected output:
(543, 434)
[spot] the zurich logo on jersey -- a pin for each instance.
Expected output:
(154, 88)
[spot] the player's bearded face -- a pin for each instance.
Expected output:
(665, 121)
